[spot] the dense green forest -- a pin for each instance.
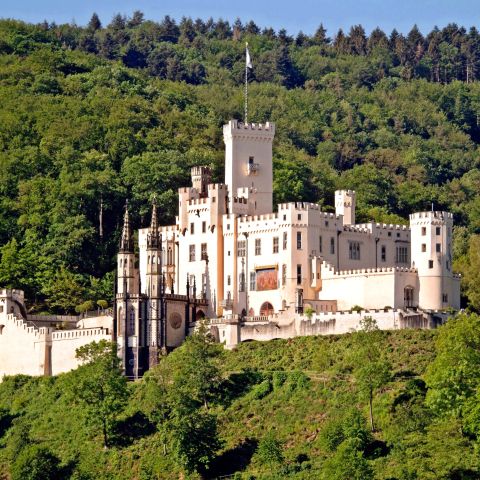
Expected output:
(282, 409)
(91, 116)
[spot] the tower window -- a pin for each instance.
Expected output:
(192, 228)
(251, 160)
(284, 274)
(229, 280)
(320, 244)
(299, 274)
(258, 246)
(430, 264)
(252, 280)
(402, 255)
(192, 253)
(275, 244)
(445, 298)
(437, 230)
(299, 217)
(438, 247)
(203, 251)
(299, 240)
(241, 248)
(424, 231)
(285, 237)
(332, 245)
(424, 247)
(204, 227)
(384, 253)
(354, 250)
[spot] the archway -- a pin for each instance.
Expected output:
(266, 309)
(199, 315)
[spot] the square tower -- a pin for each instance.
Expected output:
(248, 162)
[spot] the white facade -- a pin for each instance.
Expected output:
(248, 260)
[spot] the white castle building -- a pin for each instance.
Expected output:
(256, 273)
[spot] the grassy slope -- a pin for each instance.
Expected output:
(295, 414)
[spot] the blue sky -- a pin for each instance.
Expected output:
(303, 15)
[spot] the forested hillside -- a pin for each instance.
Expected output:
(91, 116)
(296, 409)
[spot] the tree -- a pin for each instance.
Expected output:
(195, 438)
(452, 377)
(64, 291)
(270, 451)
(197, 373)
(100, 385)
(371, 371)
(36, 462)
(94, 24)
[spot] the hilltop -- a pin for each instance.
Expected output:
(91, 116)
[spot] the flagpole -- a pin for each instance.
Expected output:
(246, 83)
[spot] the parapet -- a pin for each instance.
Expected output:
(236, 128)
(432, 216)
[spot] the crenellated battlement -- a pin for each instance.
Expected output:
(256, 218)
(435, 215)
(81, 333)
(262, 129)
(327, 267)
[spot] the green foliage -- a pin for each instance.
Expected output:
(270, 451)
(36, 462)
(100, 386)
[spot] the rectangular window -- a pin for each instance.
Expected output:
(438, 247)
(204, 251)
(430, 264)
(299, 216)
(204, 227)
(437, 230)
(424, 247)
(214, 199)
(299, 274)
(384, 253)
(192, 228)
(241, 282)
(204, 284)
(252, 280)
(275, 244)
(285, 240)
(258, 246)
(251, 160)
(320, 244)
(445, 298)
(229, 280)
(354, 250)
(241, 248)
(401, 255)
(299, 240)
(192, 253)
(332, 245)
(424, 231)
(284, 274)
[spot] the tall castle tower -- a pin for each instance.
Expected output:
(248, 161)
(345, 205)
(431, 238)
(155, 288)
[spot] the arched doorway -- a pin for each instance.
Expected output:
(266, 309)
(408, 297)
(200, 315)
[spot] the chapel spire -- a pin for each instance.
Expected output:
(154, 238)
(126, 242)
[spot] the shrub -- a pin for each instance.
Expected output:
(85, 306)
(102, 304)
(262, 390)
(279, 378)
(298, 381)
(36, 463)
(270, 451)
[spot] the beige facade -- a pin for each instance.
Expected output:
(249, 260)
(42, 345)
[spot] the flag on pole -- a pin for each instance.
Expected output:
(248, 60)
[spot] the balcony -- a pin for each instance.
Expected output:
(253, 168)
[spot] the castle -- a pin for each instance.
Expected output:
(251, 272)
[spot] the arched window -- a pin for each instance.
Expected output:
(131, 322)
(266, 309)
